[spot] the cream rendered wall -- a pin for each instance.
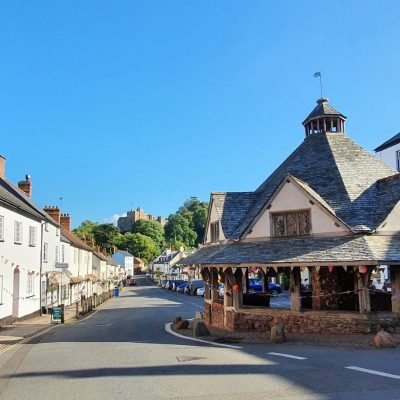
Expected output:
(393, 221)
(291, 198)
(389, 156)
(214, 217)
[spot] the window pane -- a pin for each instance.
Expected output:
(279, 225)
(291, 224)
(304, 223)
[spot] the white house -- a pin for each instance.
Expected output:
(389, 152)
(125, 260)
(167, 262)
(19, 256)
(35, 243)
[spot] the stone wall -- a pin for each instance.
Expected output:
(324, 322)
(214, 315)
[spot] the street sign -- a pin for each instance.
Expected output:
(61, 265)
(56, 315)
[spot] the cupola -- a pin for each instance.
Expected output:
(324, 118)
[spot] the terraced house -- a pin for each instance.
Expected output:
(332, 209)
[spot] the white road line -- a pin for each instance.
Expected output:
(169, 330)
(371, 371)
(287, 356)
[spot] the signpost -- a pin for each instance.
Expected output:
(58, 312)
(56, 315)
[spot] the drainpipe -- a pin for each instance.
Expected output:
(41, 267)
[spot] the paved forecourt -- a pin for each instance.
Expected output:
(124, 352)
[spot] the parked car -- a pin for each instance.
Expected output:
(182, 288)
(387, 286)
(132, 282)
(200, 291)
(177, 283)
(195, 284)
(255, 285)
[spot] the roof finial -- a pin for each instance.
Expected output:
(319, 75)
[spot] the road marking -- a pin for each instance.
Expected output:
(169, 330)
(287, 356)
(371, 371)
(13, 346)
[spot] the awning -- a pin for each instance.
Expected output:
(55, 278)
(75, 279)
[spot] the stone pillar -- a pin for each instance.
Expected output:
(395, 280)
(238, 295)
(295, 288)
(362, 280)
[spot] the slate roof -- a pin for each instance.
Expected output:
(293, 251)
(125, 253)
(323, 108)
(389, 143)
(14, 197)
(26, 203)
(231, 208)
(7, 197)
(75, 240)
(334, 167)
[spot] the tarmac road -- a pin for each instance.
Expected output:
(123, 352)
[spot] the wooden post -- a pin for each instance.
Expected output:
(77, 310)
(363, 291)
(214, 285)
(295, 288)
(238, 295)
(395, 280)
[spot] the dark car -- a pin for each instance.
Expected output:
(177, 283)
(132, 282)
(255, 285)
(182, 288)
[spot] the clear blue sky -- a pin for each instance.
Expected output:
(114, 104)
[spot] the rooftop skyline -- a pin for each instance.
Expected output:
(112, 105)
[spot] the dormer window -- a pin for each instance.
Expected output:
(288, 224)
(214, 228)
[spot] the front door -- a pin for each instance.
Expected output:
(15, 294)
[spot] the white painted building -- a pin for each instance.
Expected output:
(125, 260)
(19, 258)
(30, 245)
(389, 152)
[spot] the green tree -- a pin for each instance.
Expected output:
(195, 212)
(152, 229)
(178, 229)
(85, 230)
(106, 235)
(139, 245)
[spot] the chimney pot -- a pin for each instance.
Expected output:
(54, 213)
(2, 167)
(65, 221)
(26, 185)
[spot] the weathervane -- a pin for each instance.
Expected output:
(319, 75)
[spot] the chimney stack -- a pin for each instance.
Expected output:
(26, 185)
(2, 167)
(89, 243)
(54, 213)
(65, 222)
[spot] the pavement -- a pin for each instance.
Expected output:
(124, 352)
(22, 330)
